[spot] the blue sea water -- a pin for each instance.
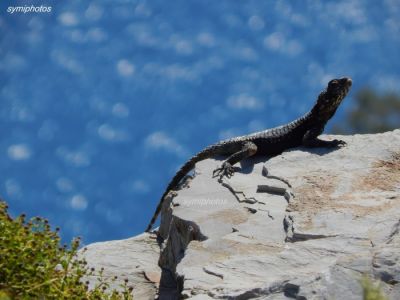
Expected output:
(101, 101)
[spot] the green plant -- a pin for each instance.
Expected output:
(370, 112)
(33, 265)
(371, 291)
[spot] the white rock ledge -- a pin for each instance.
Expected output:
(302, 225)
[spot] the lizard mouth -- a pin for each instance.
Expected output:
(345, 84)
(349, 82)
(346, 81)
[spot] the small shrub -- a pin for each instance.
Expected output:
(33, 265)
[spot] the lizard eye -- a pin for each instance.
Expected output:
(333, 83)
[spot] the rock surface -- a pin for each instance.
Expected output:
(303, 225)
(134, 259)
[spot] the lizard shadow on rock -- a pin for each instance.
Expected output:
(318, 151)
(247, 165)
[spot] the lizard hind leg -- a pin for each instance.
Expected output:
(226, 169)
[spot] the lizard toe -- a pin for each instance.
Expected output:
(338, 143)
(217, 172)
(226, 170)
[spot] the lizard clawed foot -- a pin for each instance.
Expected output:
(338, 143)
(225, 170)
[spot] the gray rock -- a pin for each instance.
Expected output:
(134, 259)
(306, 224)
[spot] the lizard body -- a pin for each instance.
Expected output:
(304, 131)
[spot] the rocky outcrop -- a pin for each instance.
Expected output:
(306, 224)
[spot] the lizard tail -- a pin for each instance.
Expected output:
(188, 166)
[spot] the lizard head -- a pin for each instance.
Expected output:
(329, 100)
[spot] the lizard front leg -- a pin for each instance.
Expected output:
(311, 140)
(226, 169)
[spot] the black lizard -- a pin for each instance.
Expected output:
(302, 132)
